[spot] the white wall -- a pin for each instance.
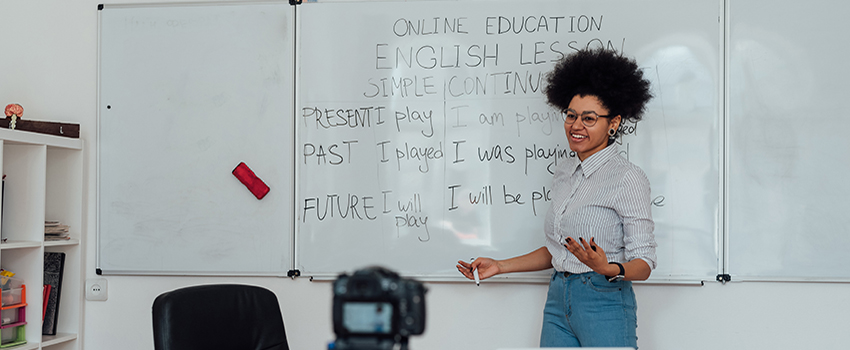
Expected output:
(48, 64)
(498, 315)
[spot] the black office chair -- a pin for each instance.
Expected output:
(218, 316)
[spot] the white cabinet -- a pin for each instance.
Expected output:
(44, 181)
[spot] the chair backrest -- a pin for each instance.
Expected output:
(218, 316)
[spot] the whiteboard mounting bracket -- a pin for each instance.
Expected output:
(723, 278)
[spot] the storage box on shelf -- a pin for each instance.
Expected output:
(12, 291)
(13, 312)
(11, 315)
(13, 336)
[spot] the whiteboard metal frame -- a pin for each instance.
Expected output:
(292, 181)
(723, 262)
(296, 82)
(719, 237)
(97, 149)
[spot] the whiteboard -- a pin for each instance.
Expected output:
(788, 152)
(187, 92)
(423, 138)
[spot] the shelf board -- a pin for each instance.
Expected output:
(32, 138)
(48, 340)
(20, 244)
(27, 346)
(69, 242)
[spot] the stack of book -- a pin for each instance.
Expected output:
(55, 231)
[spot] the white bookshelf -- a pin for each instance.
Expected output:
(44, 181)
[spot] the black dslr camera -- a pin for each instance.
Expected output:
(375, 309)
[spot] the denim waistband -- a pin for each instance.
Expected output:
(568, 274)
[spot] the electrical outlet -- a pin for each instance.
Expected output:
(96, 289)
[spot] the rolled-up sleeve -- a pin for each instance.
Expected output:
(635, 209)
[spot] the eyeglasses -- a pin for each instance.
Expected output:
(587, 118)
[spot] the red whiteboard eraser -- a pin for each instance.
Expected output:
(250, 180)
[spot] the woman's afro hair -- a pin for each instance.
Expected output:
(614, 79)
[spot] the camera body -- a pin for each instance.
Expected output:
(375, 308)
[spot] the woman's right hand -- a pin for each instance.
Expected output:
(486, 268)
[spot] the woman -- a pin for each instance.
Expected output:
(599, 225)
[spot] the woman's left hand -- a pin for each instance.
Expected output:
(590, 254)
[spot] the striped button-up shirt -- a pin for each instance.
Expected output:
(604, 197)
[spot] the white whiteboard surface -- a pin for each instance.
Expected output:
(394, 184)
(789, 154)
(186, 92)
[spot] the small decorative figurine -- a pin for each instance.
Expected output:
(15, 111)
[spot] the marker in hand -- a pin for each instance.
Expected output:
(475, 273)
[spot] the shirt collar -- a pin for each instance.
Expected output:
(595, 161)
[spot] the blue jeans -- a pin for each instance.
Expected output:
(585, 310)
